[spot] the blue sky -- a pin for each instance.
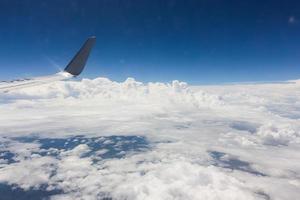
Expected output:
(198, 41)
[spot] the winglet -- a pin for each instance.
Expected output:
(77, 64)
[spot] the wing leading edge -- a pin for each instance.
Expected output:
(73, 69)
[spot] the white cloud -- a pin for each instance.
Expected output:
(255, 128)
(29, 173)
(278, 135)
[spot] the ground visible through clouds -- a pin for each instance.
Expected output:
(99, 139)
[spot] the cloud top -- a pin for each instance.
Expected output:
(95, 139)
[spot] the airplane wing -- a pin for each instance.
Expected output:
(73, 69)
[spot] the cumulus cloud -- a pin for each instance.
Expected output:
(94, 139)
(278, 135)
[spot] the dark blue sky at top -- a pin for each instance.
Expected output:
(198, 41)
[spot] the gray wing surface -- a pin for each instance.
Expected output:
(77, 64)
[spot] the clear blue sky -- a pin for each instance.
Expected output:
(198, 41)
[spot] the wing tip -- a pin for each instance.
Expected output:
(77, 64)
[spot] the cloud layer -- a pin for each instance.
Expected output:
(97, 139)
